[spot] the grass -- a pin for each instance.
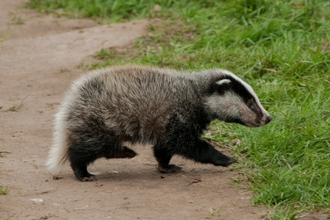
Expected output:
(17, 20)
(101, 10)
(3, 36)
(3, 191)
(280, 47)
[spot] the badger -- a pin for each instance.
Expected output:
(168, 109)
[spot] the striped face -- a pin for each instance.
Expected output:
(233, 100)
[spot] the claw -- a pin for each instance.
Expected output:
(171, 168)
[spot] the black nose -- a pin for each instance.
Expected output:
(269, 118)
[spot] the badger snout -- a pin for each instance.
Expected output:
(264, 120)
(268, 119)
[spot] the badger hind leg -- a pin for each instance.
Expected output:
(82, 174)
(79, 161)
(83, 153)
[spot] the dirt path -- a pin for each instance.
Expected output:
(37, 64)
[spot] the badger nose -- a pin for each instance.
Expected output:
(268, 119)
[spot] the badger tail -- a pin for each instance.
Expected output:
(58, 153)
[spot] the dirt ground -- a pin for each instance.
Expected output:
(38, 60)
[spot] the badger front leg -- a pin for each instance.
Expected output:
(204, 152)
(163, 156)
(194, 149)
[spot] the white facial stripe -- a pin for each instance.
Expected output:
(226, 106)
(223, 81)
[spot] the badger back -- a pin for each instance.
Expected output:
(231, 99)
(133, 102)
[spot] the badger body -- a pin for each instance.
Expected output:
(107, 108)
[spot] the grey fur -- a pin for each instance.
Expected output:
(163, 107)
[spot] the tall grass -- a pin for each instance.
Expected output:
(280, 47)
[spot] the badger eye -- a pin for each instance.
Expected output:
(250, 104)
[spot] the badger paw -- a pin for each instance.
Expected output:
(84, 176)
(170, 168)
(232, 160)
(229, 161)
(89, 178)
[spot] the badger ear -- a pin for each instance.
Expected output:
(222, 82)
(222, 85)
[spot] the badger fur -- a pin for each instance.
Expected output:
(107, 108)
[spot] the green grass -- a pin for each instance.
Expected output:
(101, 10)
(17, 20)
(3, 36)
(3, 191)
(280, 47)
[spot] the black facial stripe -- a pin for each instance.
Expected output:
(238, 88)
(258, 111)
(235, 86)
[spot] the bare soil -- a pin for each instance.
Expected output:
(38, 60)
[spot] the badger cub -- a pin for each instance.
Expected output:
(107, 108)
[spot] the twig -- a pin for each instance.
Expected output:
(4, 152)
(286, 162)
(16, 107)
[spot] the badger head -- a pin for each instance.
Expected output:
(230, 99)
